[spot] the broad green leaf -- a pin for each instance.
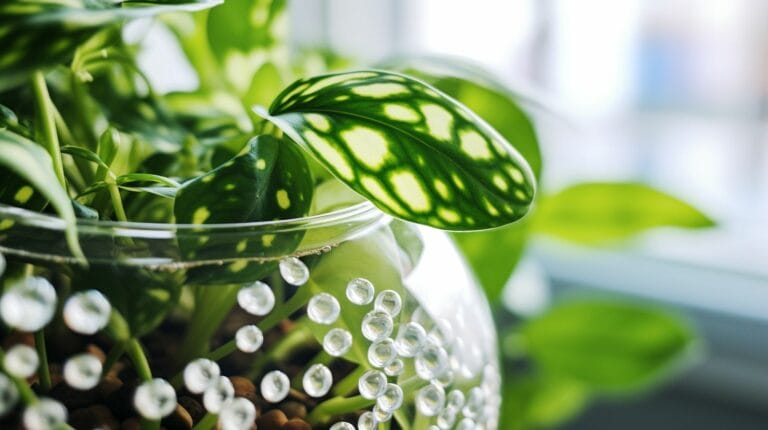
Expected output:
(536, 401)
(32, 164)
(608, 345)
(602, 212)
(39, 34)
(493, 255)
(413, 151)
(268, 180)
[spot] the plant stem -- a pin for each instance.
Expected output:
(117, 200)
(349, 383)
(114, 354)
(207, 423)
(212, 304)
(48, 123)
(280, 350)
(139, 359)
(150, 424)
(43, 373)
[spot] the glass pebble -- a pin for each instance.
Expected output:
(342, 425)
(249, 338)
(323, 308)
(360, 291)
(82, 371)
(474, 403)
(377, 325)
(367, 421)
(447, 417)
(466, 424)
(9, 395)
(382, 352)
(28, 304)
(388, 301)
(410, 339)
(337, 342)
(441, 333)
(46, 414)
(294, 271)
(217, 394)
(21, 361)
(200, 374)
(431, 362)
(87, 312)
(456, 399)
(275, 386)
(446, 378)
(155, 399)
(317, 380)
(237, 414)
(256, 299)
(430, 400)
(381, 415)
(394, 368)
(372, 384)
(391, 399)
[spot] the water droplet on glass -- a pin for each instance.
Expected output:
(323, 308)
(275, 386)
(200, 374)
(294, 271)
(388, 301)
(256, 299)
(155, 399)
(410, 339)
(430, 400)
(372, 384)
(337, 342)
(21, 361)
(447, 417)
(217, 394)
(82, 371)
(381, 415)
(360, 291)
(9, 395)
(367, 421)
(46, 414)
(377, 325)
(391, 399)
(394, 368)
(317, 380)
(466, 424)
(28, 304)
(237, 414)
(475, 402)
(87, 312)
(456, 399)
(249, 338)
(382, 352)
(431, 362)
(342, 425)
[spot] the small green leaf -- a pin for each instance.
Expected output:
(602, 212)
(269, 180)
(537, 401)
(31, 163)
(413, 151)
(38, 34)
(608, 346)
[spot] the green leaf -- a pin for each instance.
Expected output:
(39, 34)
(413, 151)
(592, 213)
(493, 255)
(269, 180)
(32, 164)
(608, 346)
(536, 401)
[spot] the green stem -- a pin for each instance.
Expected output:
(117, 200)
(114, 354)
(48, 123)
(349, 383)
(207, 423)
(150, 424)
(280, 350)
(212, 304)
(139, 359)
(43, 372)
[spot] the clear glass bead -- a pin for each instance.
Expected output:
(275, 386)
(381, 353)
(28, 304)
(367, 421)
(337, 342)
(360, 291)
(45, 414)
(256, 299)
(155, 399)
(431, 362)
(200, 374)
(377, 325)
(430, 400)
(342, 425)
(372, 384)
(249, 338)
(294, 271)
(474, 403)
(394, 368)
(391, 399)
(389, 301)
(21, 361)
(217, 394)
(87, 312)
(323, 308)
(9, 394)
(410, 339)
(317, 380)
(237, 414)
(82, 371)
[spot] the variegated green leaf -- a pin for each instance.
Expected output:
(412, 150)
(36, 34)
(269, 180)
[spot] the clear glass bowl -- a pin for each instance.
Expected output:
(348, 316)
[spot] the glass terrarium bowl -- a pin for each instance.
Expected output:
(345, 317)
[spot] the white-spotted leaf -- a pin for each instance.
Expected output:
(413, 151)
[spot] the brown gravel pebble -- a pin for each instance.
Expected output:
(92, 417)
(180, 419)
(72, 398)
(131, 424)
(243, 387)
(294, 409)
(96, 352)
(272, 420)
(193, 407)
(296, 424)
